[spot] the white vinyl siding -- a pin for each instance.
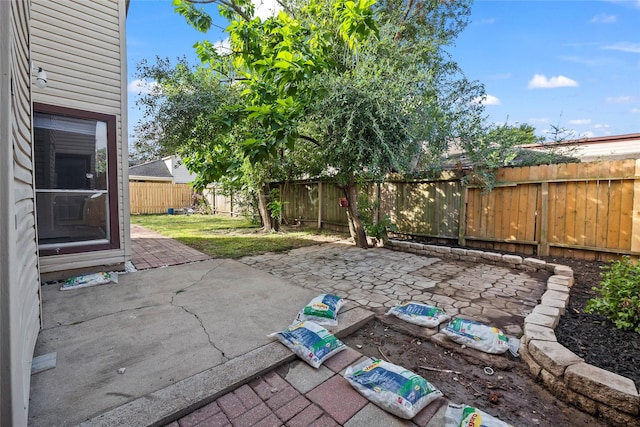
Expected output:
(181, 174)
(19, 277)
(81, 46)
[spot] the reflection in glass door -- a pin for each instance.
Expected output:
(72, 193)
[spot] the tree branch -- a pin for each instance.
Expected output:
(310, 139)
(289, 11)
(229, 4)
(403, 20)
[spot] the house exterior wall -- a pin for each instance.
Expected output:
(613, 147)
(181, 174)
(19, 276)
(81, 46)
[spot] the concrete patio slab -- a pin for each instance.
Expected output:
(162, 326)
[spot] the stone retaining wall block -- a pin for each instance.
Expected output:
(616, 417)
(541, 320)
(561, 280)
(492, 256)
(611, 389)
(474, 253)
(552, 356)
(535, 262)
(563, 270)
(537, 332)
(512, 259)
(459, 251)
(557, 287)
(534, 368)
(546, 310)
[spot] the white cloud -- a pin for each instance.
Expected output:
(624, 47)
(579, 122)
(539, 120)
(487, 21)
(539, 81)
(142, 87)
(266, 8)
(223, 47)
(635, 110)
(588, 134)
(487, 100)
(578, 60)
(600, 126)
(635, 3)
(603, 18)
(620, 99)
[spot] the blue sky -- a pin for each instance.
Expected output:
(575, 64)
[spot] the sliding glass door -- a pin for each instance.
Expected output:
(75, 172)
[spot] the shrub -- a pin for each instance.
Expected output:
(619, 292)
(380, 229)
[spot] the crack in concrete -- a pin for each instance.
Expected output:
(186, 310)
(80, 322)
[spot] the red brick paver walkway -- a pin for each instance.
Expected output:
(297, 395)
(152, 250)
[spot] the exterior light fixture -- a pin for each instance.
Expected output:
(41, 79)
(41, 76)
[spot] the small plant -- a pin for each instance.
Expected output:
(380, 230)
(619, 292)
(276, 207)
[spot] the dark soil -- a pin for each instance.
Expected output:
(592, 336)
(510, 393)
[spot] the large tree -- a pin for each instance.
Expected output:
(395, 104)
(349, 90)
(189, 111)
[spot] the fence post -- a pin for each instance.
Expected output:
(462, 216)
(319, 204)
(543, 220)
(378, 204)
(635, 226)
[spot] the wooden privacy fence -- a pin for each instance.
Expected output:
(221, 202)
(158, 197)
(580, 210)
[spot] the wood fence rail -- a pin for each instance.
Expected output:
(579, 210)
(158, 197)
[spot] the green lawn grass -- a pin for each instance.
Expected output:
(225, 237)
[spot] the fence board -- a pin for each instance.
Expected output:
(626, 214)
(591, 210)
(614, 214)
(580, 204)
(158, 197)
(570, 213)
(602, 214)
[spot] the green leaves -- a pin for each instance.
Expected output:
(197, 18)
(619, 293)
(356, 21)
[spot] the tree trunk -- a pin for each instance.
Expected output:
(356, 229)
(265, 216)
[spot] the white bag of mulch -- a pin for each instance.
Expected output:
(322, 310)
(87, 280)
(392, 387)
(310, 341)
(477, 335)
(419, 314)
(464, 416)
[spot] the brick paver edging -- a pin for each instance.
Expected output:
(592, 389)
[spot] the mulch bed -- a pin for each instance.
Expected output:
(592, 336)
